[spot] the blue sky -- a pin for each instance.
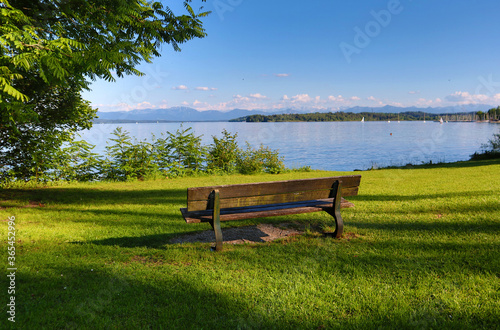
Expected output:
(322, 54)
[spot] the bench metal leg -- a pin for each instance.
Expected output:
(339, 223)
(215, 204)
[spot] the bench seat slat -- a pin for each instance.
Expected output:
(273, 188)
(249, 212)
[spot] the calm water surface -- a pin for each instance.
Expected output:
(336, 146)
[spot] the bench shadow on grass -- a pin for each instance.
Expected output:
(101, 299)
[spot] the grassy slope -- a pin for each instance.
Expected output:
(421, 251)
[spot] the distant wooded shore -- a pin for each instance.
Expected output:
(370, 116)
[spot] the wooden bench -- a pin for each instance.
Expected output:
(265, 199)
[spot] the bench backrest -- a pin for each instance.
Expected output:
(262, 193)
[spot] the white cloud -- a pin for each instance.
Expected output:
(122, 106)
(180, 87)
(458, 97)
(397, 104)
(253, 101)
(414, 92)
(163, 105)
(341, 101)
(466, 98)
(376, 100)
(303, 98)
(300, 101)
(422, 102)
(239, 98)
(282, 75)
(144, 105)
(258, 96)
(199, 104)
(205, 88)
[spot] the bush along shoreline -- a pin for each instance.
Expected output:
(171, 155)
(490, 150)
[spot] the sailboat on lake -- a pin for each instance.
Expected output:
(363, 119)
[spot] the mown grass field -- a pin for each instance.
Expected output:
(421, 250)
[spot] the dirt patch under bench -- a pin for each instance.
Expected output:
(240, 235)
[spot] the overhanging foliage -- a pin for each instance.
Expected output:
(51, 50)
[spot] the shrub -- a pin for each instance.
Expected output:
(186, 151)
(162, 151)
(78, 162)
(494, 143)
(491, 149)
(259, 160)
(273, 163)
(128, 160)
(248, 161)
(30, 158)
(223, 153)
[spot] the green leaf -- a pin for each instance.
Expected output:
(7, 88)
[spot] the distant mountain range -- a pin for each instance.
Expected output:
(183, 114)
(175, 114)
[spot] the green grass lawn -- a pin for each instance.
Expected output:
(421, 250)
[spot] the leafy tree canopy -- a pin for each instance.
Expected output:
(50, 50)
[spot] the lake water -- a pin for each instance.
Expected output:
(336, 146)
